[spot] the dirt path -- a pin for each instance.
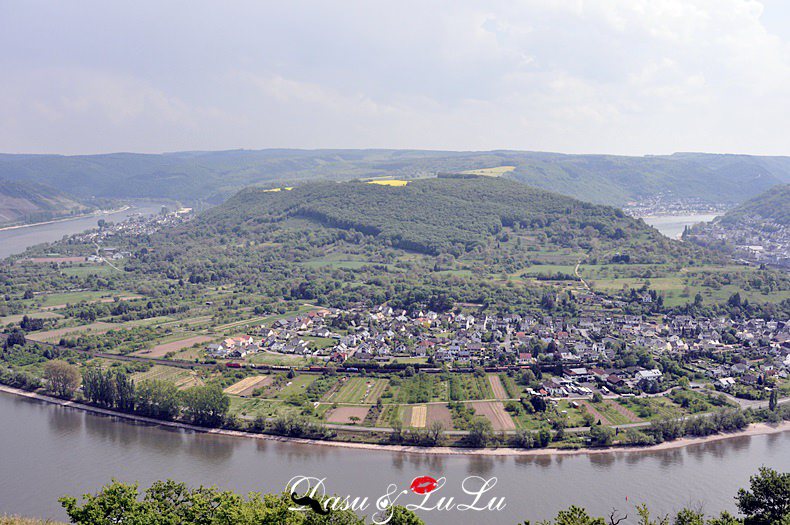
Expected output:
(497, 387)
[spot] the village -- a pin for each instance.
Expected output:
(601, 351)
(752, 240)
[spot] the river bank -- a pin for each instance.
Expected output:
(754, 429)
(96, 213)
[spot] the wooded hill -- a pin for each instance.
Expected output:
(450, 214)
(25, 202)
(772, 205)
(214, 176)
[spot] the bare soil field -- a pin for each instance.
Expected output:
(440, 412)
(173, 346)
(342, 415)
(246, 386)
(497, 387)
(50, 336)
(494, 411)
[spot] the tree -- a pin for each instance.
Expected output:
(773, 401)
(157, 398)
(16, 337)
(205, 405)
(62, 377)
(172, 502)
(481, 433)
(601, 436)
(124, 392)
(597, 397)
(435, 433)
(768, 499)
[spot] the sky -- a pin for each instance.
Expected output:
(578, 76)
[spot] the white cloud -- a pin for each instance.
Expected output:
(622, 76)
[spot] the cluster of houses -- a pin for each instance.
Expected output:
(585, 349)
(754, 240)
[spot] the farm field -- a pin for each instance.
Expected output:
(181, 377)
(497, 171)
(360, 390)
(466, 386)
(418, 416)
(439, 412)
(342, 415)
(295, 386)
(494, 411)
(161, 350)
(35, 315)
(246, 386)
(53, 336)
(497, 387)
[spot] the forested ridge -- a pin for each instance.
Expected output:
(438, 215)
(215, 175)
(773, 204)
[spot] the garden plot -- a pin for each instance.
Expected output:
(439, 412)
(343, 415)
(163, 349)
(51, 336)
(495, 412)
(248, 385)
(497, 387)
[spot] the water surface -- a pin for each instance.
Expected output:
(48, 451)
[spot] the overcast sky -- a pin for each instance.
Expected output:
(604, 76)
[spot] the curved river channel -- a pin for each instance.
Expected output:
(47, 451)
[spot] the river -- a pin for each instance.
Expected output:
(17, 240)
(47, 451)
(672, 225)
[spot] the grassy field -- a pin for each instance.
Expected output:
(181, 377)
(497, 171)
(295, 386)
(360, 390)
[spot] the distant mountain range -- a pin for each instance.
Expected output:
(23, 202)
(214, 176)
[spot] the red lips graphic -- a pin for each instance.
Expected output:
(423, 485)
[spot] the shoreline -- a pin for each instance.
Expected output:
(754, 429)
(66, 219)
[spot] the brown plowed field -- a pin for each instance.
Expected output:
(494, 411)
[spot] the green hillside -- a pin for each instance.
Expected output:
(214, 176)
(773, 205)
(450, 214)
(26, 202)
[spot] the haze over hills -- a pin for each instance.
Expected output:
(22, 202)
(214, 176)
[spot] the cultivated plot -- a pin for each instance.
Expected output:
(346, 415)
(495, 412)
(163, 349)
(248, 385)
